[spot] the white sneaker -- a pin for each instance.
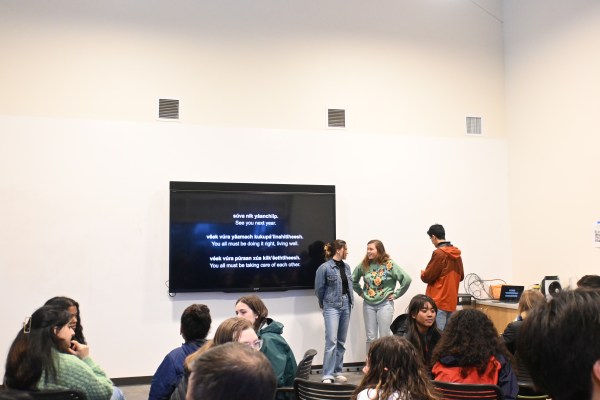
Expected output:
(341, 379)
(327, 380)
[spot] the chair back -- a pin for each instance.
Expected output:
(471, 391)
(305, 364)
(314, 390)
(527, 389)
(59, 395)
(303, 371)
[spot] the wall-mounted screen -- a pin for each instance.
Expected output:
(243, 237)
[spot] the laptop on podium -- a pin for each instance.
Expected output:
(510, 293)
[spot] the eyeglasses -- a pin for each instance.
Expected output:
(256, 345)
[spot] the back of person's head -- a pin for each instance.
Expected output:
(332, 247)
(559, 342)
(229, 330)
(438, 231)
(589, 282)
(67, 303)
(529, 300)
(195, 322)
(258, 307)
(31, 352)
(394, 365)
(232, 371)
(471, 337)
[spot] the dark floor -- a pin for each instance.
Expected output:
(140, 392)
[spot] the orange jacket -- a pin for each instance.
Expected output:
(443, 275)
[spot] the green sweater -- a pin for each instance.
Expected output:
(380, 281)
(83, 375)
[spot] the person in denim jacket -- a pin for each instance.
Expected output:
(333, 287)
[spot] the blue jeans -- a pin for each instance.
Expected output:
(442, 318)
(117, 394)
(336, 329)
(378, 317)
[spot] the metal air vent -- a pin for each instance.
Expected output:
(168, 109)
(336, 118)
(474, 126)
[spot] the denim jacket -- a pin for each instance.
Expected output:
(328, 285)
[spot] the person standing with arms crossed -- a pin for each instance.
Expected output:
(443, 275)
(333, 287)
(380, 275)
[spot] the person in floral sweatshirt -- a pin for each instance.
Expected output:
(383, 281)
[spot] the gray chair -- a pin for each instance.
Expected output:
(315, 390)
(303, 371)
(527, 389)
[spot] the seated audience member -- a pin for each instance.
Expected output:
(72, 307)
(559, 343)
(419, 326)
(194, 326)
(232, 371)
(589, 282)
(470, 351)
(231, 330)
(394, 371)
(529, 300)
(274, 346)
(43, 357)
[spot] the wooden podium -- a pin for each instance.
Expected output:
(500, 313)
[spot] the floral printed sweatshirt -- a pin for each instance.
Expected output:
(380, 281)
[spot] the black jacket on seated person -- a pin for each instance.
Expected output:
(511, 335)
(426, 342)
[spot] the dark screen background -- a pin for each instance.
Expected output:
(198, 213)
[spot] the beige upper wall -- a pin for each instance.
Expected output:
(552, 97)
(410, 67)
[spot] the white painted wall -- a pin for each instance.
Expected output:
(84, 165)
(552, 97)
(85, 213)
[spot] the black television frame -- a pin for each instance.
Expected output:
(309, 253)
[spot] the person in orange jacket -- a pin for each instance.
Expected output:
(443, 274)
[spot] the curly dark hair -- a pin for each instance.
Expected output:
(195, 322)
(471, 337)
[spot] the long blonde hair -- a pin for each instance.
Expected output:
(229, 331)
(529, 300)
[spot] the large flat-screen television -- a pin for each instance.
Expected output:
(247, 237)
